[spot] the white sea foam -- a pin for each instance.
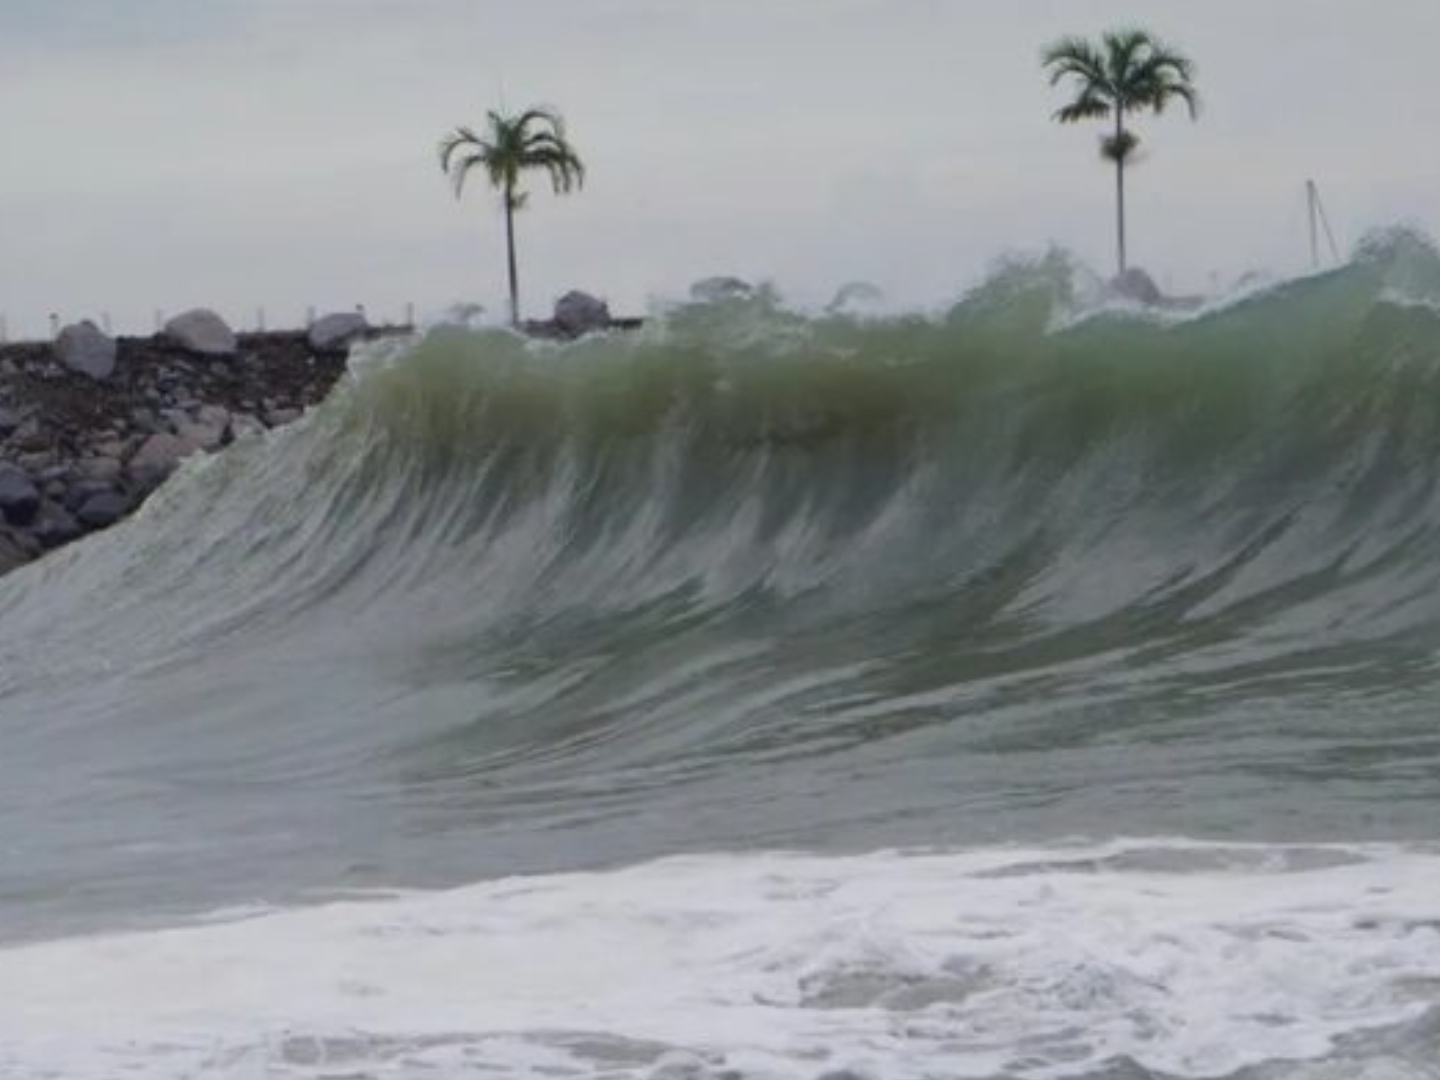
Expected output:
(1187, 959)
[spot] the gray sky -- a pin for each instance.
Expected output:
(239, 153)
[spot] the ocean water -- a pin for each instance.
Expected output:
(1029, 690)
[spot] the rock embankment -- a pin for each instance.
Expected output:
(90, 426)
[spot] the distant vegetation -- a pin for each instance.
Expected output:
(1126, 72)
(532, 141)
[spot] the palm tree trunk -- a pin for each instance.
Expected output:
(510, 251)
(1120, 187)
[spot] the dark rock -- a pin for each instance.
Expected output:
(9, 422)
(81, 491)
(579, 313)
(1135, 284)
(30, 437)
(19, 497)
(55, 526)
(16, 549)
(103, 510)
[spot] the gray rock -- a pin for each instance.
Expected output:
(333, 333)
(19, 497)
(9, 422)
(157, 458)
(242, 425)
(103, 469)
(202, 332)
(209, 436)
(54, 526)
(579, 313)
(714, 290)
(281, 417)
(1135, 284)
(87, 350)
(102, 510)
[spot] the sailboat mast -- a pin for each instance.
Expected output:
(1312, 198)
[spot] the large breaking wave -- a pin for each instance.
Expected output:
(749, 580)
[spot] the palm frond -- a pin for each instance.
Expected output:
(460, 139)
(1073, 57)
(1086, 107)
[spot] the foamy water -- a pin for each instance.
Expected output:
(1185, 959)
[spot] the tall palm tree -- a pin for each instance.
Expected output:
(1129, 71)
(513, 145)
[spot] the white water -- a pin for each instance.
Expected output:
(1192, 960)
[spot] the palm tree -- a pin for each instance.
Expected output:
(511, 146)
(1129, 71)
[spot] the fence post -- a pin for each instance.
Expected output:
(309, 316)
(410, 315)
(54, 326)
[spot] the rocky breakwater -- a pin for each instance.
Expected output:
(90, 425)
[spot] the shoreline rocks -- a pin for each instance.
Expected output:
(83, 442)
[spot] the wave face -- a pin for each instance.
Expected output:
(750, 581)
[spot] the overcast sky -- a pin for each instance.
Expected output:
(240, 153)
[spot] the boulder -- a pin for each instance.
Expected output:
(579, 313)
(55, 526)
(9, 422)
(280, 417)
(334, 333)
(1135, 284)
(79, 492)
(87, 350)
(207, 436)
(104, 469)
(202, 332)
(19, 497)
(103, 509)
(157, 458)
